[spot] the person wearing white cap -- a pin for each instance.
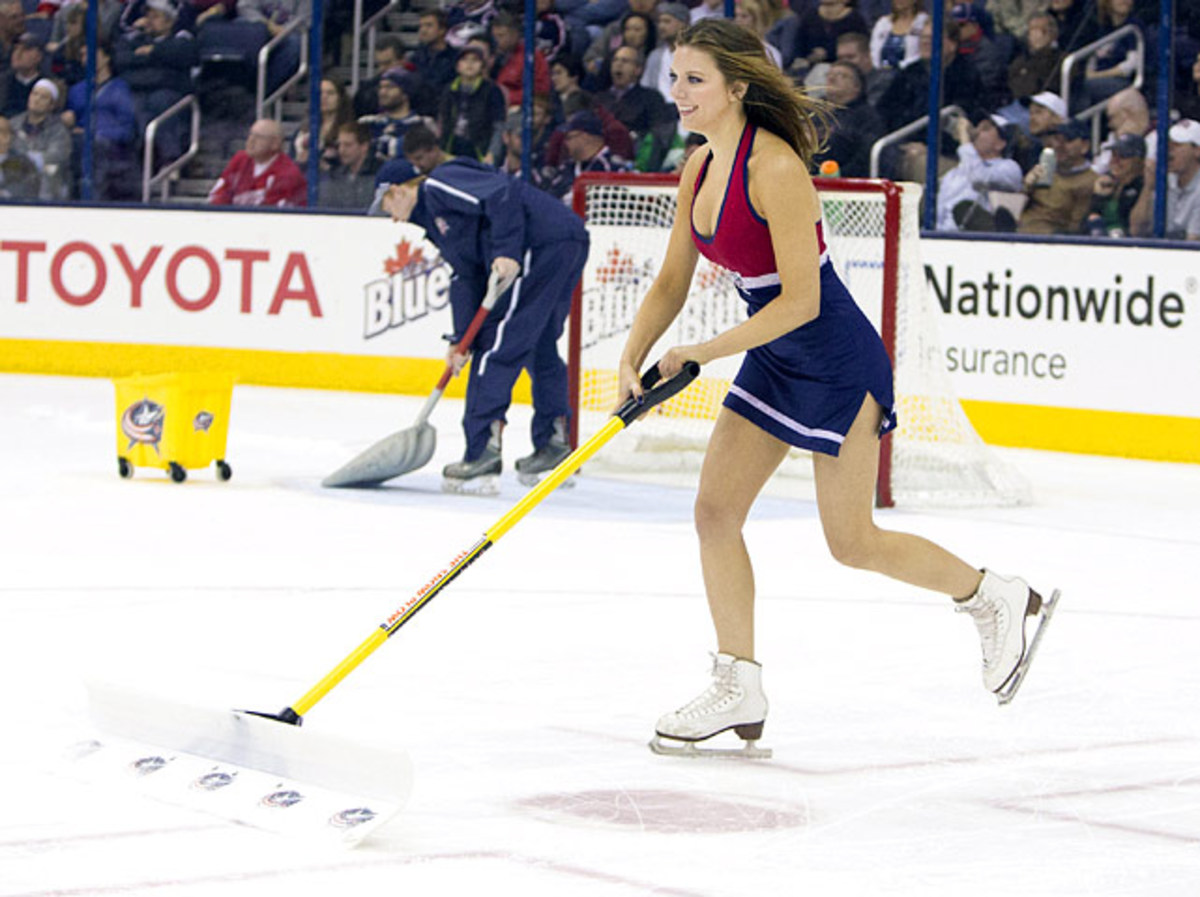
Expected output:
(1183, 186)
(1047, 102)
(41, 135)
(1046, 112)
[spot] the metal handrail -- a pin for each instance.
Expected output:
(1092, 49)
(900, 133)
(369, 27)
(148, 180)
(262, 101)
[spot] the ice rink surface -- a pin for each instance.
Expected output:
(526, 692)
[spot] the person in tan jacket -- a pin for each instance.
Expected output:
(1059, 200)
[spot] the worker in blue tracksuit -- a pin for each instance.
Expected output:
(484, 221)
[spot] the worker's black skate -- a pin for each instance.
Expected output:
(549, 456)
(478, 476)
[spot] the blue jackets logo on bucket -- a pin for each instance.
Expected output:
(142, 422)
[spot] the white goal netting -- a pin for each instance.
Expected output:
(935, 457)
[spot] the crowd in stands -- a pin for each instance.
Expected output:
(1016, 152)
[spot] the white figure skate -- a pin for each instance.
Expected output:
(734, 700)
(480, 476)
(999, 608)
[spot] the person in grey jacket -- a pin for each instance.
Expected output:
(39, 134)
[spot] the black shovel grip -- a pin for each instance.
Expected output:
(655, 395)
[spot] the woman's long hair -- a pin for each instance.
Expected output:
(771, 100)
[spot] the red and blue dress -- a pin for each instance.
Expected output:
(807, 386)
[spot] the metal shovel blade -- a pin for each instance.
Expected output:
(392, 456)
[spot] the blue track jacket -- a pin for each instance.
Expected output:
(474, 214)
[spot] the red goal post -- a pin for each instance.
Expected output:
(871, 229)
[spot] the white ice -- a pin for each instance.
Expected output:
(526, 692)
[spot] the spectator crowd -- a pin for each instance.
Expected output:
(1020, 149)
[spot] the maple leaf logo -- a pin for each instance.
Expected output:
(405, 257)
(616, 265)
(710, 275)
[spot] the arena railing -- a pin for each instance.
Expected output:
(370, 28)
(900, 133)
(272, 106)
(151, 178)
(1073, 59)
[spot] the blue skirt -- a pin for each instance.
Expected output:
(806, 387)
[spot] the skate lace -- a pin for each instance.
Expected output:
(723, 693)
(986, 615)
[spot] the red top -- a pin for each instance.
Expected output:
(742, 240)
(279, 184)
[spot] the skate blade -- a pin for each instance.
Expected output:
(530, 480)
(669, 747)
(487, 485)
(1008, 691)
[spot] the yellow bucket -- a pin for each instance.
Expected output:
(176, 422)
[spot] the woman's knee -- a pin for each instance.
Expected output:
(714, 516)
(853, 547)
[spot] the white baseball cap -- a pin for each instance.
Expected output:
(1051, 101)
(1185, 131)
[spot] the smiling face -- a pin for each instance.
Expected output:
(700, 92)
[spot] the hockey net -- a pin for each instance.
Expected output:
(934, 458)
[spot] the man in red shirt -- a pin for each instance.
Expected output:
(261, 175)
(509, 68)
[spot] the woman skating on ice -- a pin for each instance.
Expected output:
(815, 375)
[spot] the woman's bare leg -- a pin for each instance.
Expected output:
(846, 500)
(740, 459)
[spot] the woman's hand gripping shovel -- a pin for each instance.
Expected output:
(262, 768)
(411, 449)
